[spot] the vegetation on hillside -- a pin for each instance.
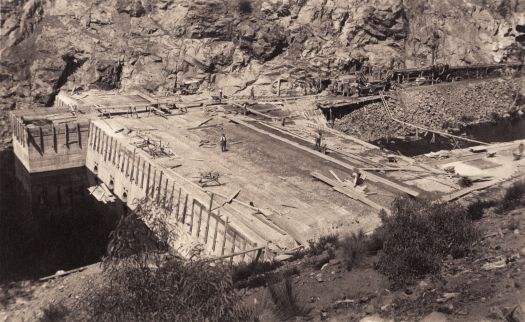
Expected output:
(419, 234)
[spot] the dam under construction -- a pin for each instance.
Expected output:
(284, 176)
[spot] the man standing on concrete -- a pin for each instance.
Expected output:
(222, 141)
(318, 141)
(220, 95)
(252, 93)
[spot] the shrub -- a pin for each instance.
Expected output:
(243, 271)
(145, 285)
(466, 118)
(54, 313)
(465, 182)
(513, 197)
(419, 234)
(475, 209)
(354, 247)
(245, 6)
(325, 242)
(375, 242)
(287, 303)
(176, 291)
(266, 279)
(300, 254)
(513, 224)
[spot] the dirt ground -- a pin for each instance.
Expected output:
(484, 286)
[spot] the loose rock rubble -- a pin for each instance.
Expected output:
(445, 107)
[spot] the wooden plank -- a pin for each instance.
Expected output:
(243, 252)
(267, 221)
(233, 196)
(376, 178)
(370, 176)
(404, 169)
(202, 127)
(463, 192)
(204, 122)
(354, 195)
(335, 175)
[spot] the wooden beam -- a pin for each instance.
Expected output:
(463, 192)
(233, 196)
(370, 176)
(234, 254)
(335, 175)
(352, 194)
(376, 178)
(404, 169)
(204, 122)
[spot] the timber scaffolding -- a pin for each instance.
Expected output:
(444, 73)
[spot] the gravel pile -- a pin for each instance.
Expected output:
(444, 107)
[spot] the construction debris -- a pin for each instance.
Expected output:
(209, 178)
(152, 146)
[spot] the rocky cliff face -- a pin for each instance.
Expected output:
(155, 45)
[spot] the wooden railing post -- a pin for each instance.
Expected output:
(225, 236)
(184, 210)
(215, 231)
(233, 244)
(206, 229)
(178, 205)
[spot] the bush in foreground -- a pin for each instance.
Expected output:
(143, 283)
(354, 248)
(286, 300)
(514, 197)
(419, 234)
(176, 291)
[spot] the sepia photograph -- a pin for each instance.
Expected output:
(262, 160)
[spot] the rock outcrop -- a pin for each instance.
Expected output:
(157, 45)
